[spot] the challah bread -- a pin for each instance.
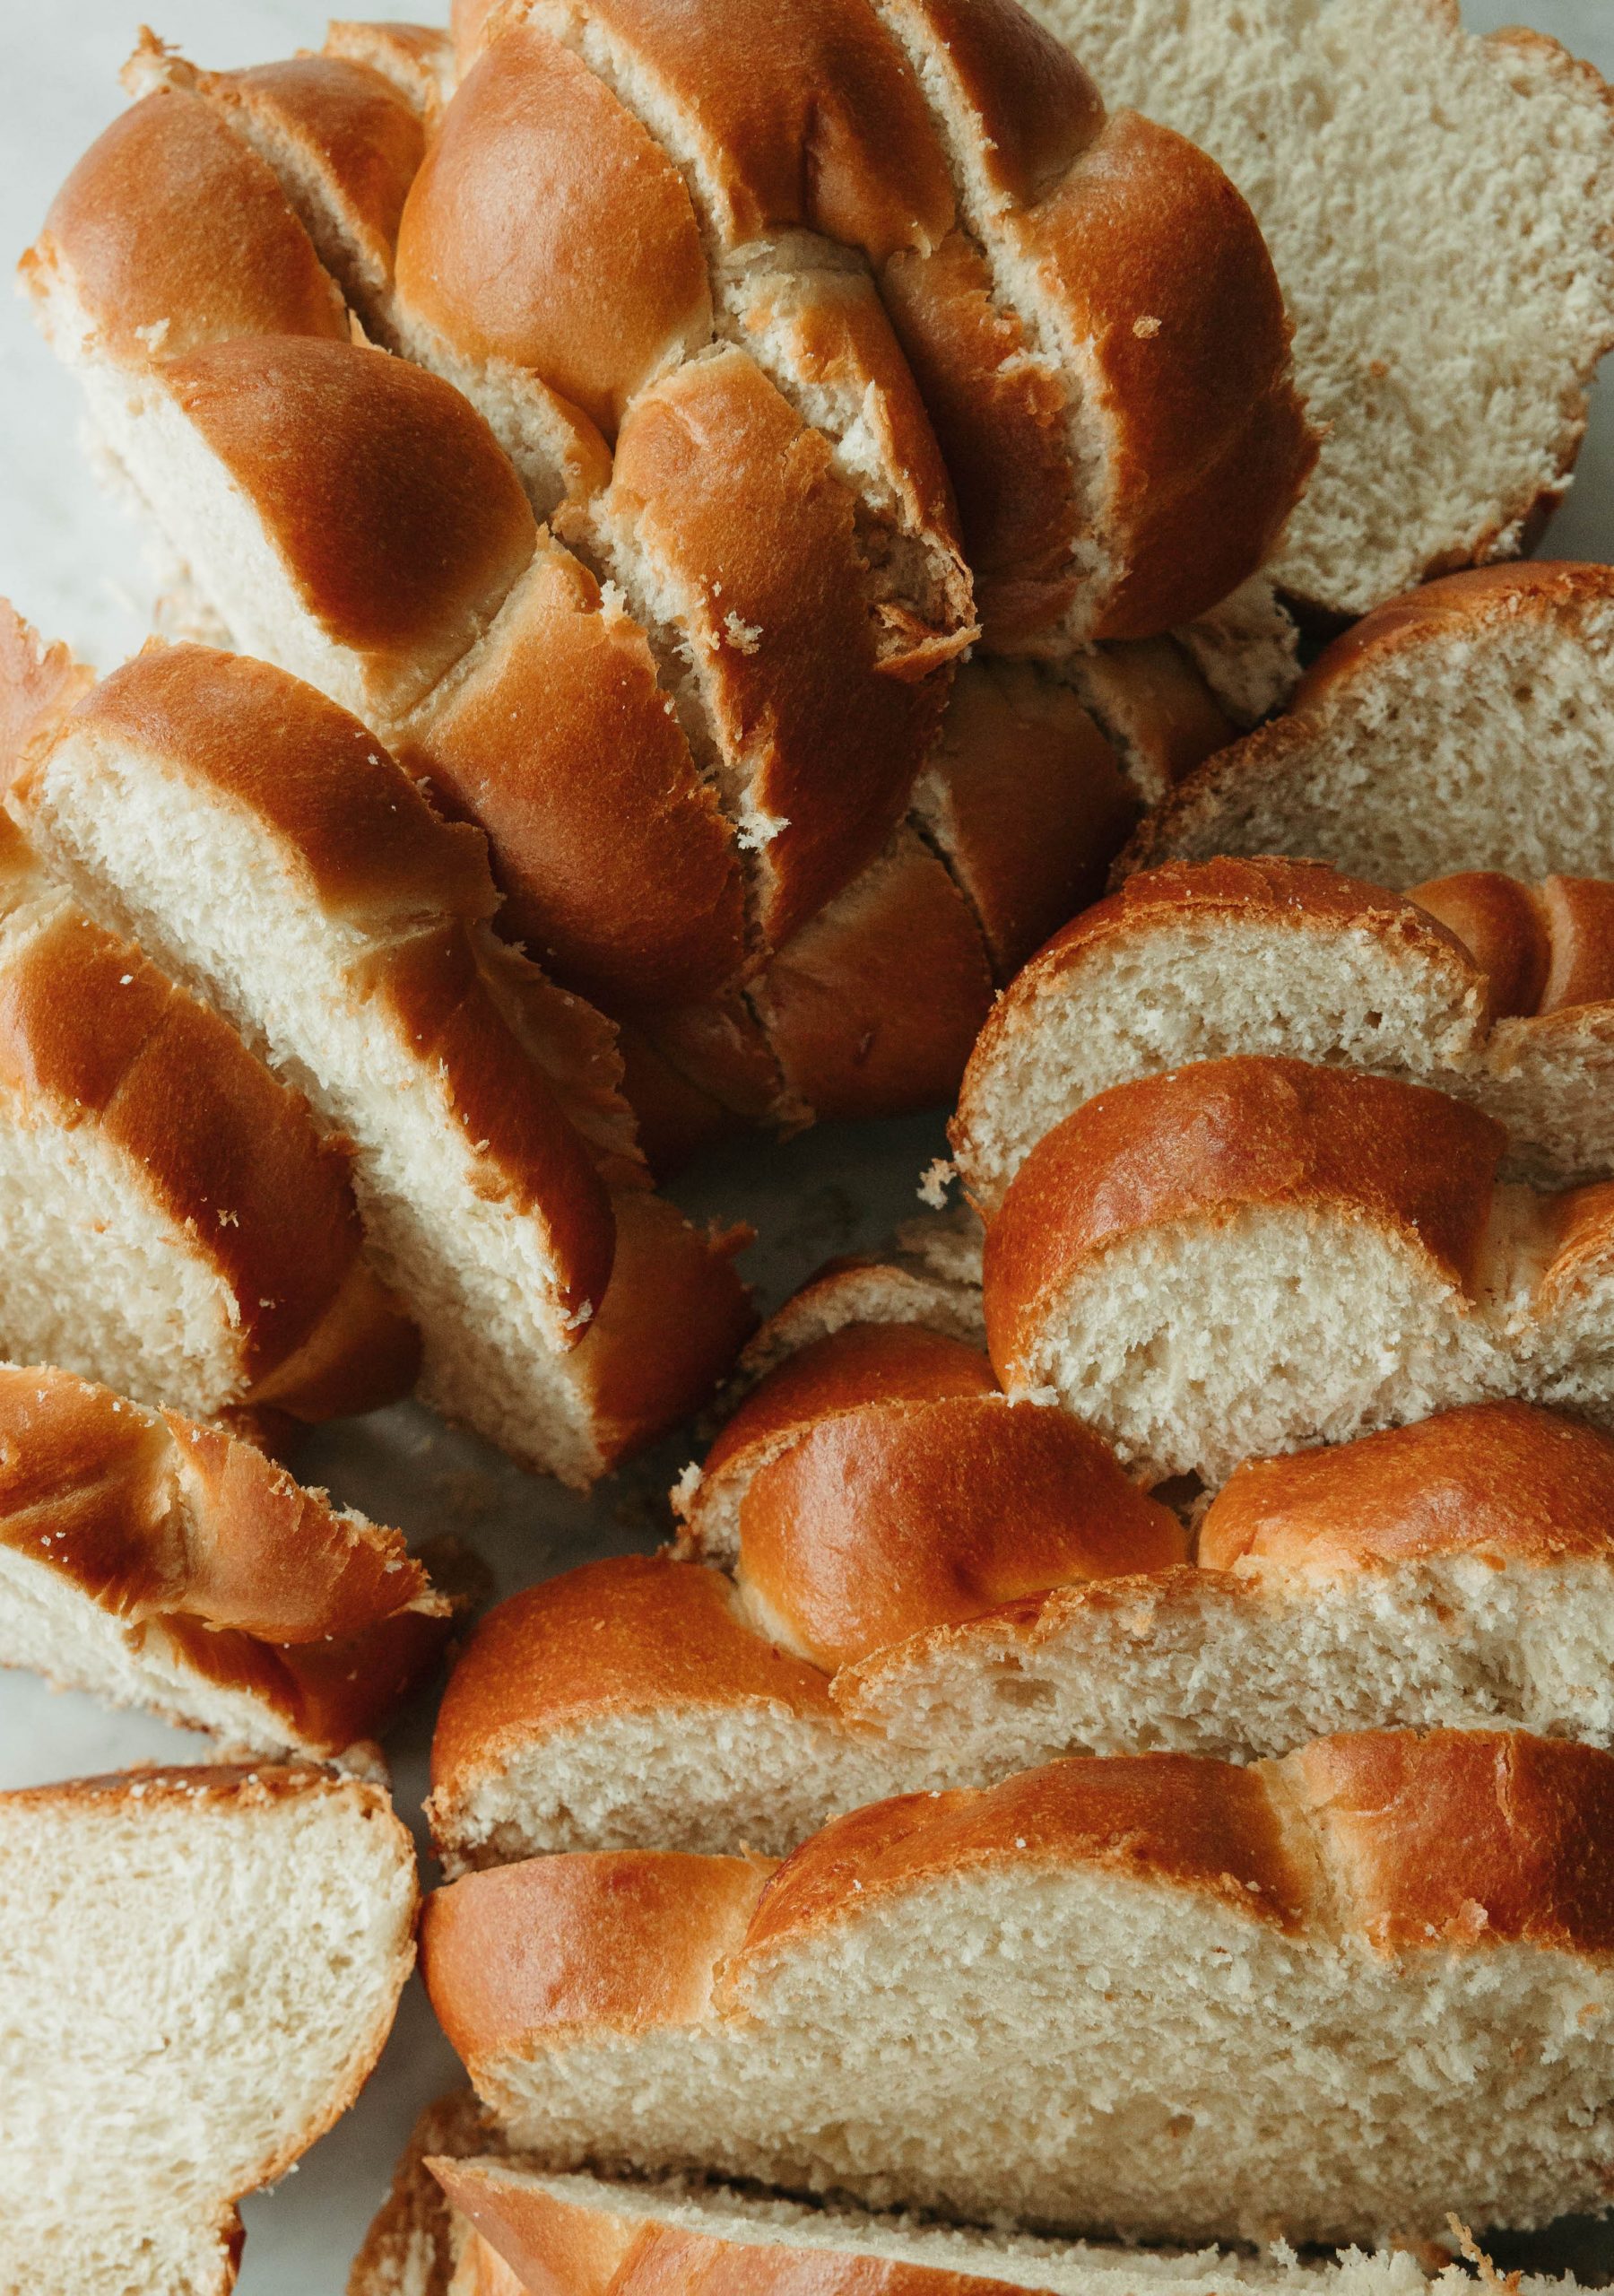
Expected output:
(1227, 1968)
(200, 1968)
(1114, 475)
(343, 927)
(1399, 168)
(166, 1565)
(1500, 993)
(416, 2244)
(910, 1612)
(1463, 726)
(1251, 1255)
(172, 1221)
(557, 2235)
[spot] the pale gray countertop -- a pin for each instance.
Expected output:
(74, 564)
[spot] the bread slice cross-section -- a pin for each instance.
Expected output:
(1500, 993)
(268, 845)
(1358, 1988)
(1465, 726)
(1251, 1255)
(200, 1968)
(162, 1564)
(1400, 168)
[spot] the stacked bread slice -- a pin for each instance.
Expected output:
(260, 840)
(198, 1969)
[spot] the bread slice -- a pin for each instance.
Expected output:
(1464, 726)
(200, 1969)
(1399, 166)
(1251, 1255)
(343, 927)
(1500, 993)
(172, 1221)
(557, 2235)
(162, 1564)
(961, 2001)
(1114, 476)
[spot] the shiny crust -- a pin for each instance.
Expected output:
(1027, 802)
(1504, 1481)
(146, 288)
(619, 868)
(92, 1034)
(165, 1524)
(1464, 605)
(1453, 1841)
(341, 815)
(1206, 1142)
(613, 1941)
(872, 1006)
(405, 576)
(735, 497)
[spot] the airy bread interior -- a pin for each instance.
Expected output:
(1398, 166)
(199, 1969)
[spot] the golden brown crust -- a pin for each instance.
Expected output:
(1507, 1481)
(92, 1034)
(1501, 924)
(1464, 605)
(391, 508)
(891, 1519)
(614, 1941)
(619, 868)
(1205, 1142)
(506, 238)
(872, 1006)
(731, 493)
(122, 236)
(634, 1634)
(1580, 931)
(1027, 801)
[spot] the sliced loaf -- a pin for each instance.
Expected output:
(1438, 208)
(162, 1564)
(343, 927)
(1160, 1994)
(1500, 993)
(1466, 726)
(199, 1968)
(1251, 1255)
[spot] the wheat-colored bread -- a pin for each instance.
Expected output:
(1230, 1968)
(1463, 726)
(558, 2235)
(174, 1224)
(958, 156)
(1458, 1573)
(343, 927)
(588, 2236)
(1250, 1255)
(1497, 992)
(163, 1564)
(200, 1969)
(1399, 166)
(417, 59)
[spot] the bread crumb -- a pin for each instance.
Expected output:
(1146, 329)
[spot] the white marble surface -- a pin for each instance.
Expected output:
(74, 566)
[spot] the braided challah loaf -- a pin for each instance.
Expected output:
(1497, 992)
(1176, 1998)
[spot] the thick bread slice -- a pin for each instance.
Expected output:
(172, 1221)
(1095, 452)
(162, 1564)
(1458, 1573)
(1169, 1995)
(343, 926)
(1399, 168)
(200, 1969)
(1464, 726)
(1500, 993)
(555, 2235)
(1250, 1255)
